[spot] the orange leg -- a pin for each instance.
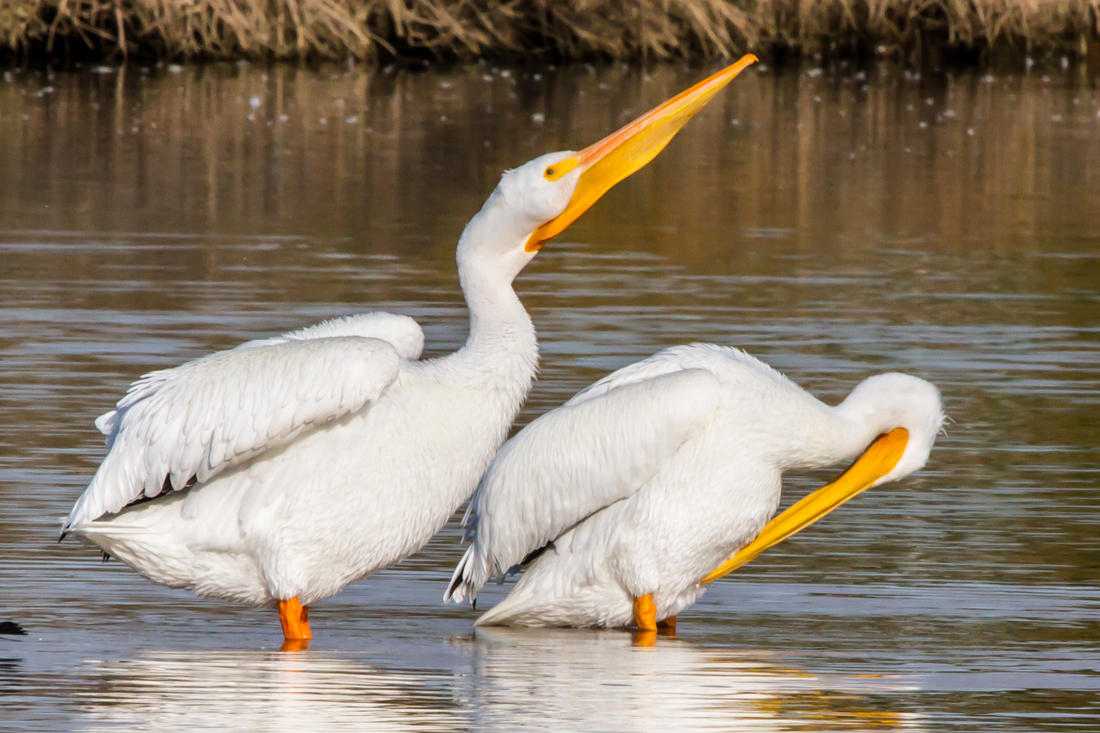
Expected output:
(645, 613)
(668, 626)
(295, 619)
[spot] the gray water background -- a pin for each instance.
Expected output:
(835, 224)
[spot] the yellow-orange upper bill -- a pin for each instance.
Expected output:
(878, 460)
(629, 149)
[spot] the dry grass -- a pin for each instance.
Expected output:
(570, 29)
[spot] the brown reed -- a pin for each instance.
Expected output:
(567, 29)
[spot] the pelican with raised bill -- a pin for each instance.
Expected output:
(623, 503)
(278, 472)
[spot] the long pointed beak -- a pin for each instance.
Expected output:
(629, 149)
(878, 460)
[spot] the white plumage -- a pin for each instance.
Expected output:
(401, 332)
(282, 470)
(196, 420)
(646, 481)
(289, 467)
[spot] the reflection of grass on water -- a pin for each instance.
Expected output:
(913, 29)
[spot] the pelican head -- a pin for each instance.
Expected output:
(540, 199)
(888, 402)
(900, 416)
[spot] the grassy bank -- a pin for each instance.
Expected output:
(915, 31)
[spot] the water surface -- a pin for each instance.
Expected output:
(835, 225)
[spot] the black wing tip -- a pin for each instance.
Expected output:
(531, 557)
(12, 629)
(458, 579)
(453, 585)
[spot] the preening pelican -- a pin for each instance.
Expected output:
(280, 471)
(659, 478)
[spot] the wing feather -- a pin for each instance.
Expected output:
(402, 332)
(196, 420)
(576, 460)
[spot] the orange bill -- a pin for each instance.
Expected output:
(878, 460)
(628, 150)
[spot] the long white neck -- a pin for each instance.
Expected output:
(502, 341)
(501, 351)
(827, 435)
(817, 435)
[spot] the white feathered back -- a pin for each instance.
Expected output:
(200, 418)
(402, 332)
(534, 494)
(598, 448)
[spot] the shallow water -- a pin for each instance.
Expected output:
(833, 225)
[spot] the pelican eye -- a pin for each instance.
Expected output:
(556, 171)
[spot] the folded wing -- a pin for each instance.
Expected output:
(597, 449)
(402, 332)
(189, 423)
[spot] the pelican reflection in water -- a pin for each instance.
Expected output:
(548, 680)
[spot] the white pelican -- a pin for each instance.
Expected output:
(280, 471)
(623, 502)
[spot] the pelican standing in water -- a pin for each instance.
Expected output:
(624, 502)
(278, 472)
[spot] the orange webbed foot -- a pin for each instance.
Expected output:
(645, 619)
(295, 619)
(645, 613)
